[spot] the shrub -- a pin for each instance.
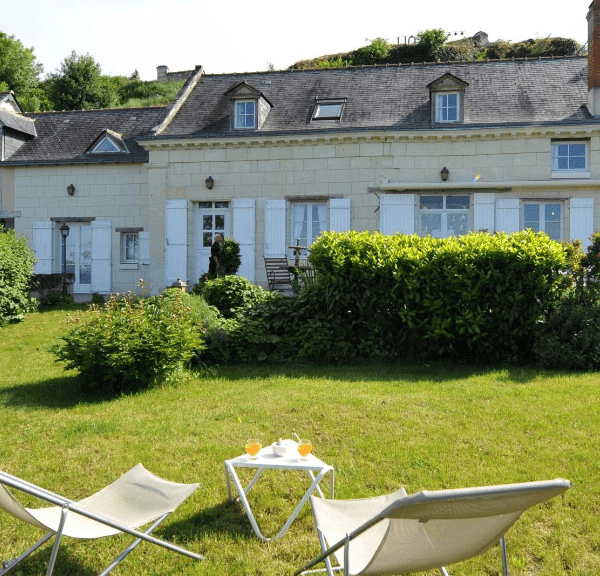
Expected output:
(16, 270)
(53, 299)
(230, 293)
(570, 338)
(132, 343)
(229, 257)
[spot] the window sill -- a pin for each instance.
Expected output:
(579, 174)
(129, 266)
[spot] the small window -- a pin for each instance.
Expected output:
(245, 114)
(328, 110)
(570, 158)
(106, 145)
(443, 216)
(543, 217)
(447, 107)
(130, 248)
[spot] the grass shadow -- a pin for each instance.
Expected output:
(224, 518)
(54, 393)
(370, 372)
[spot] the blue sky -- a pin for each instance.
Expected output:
(242, 36)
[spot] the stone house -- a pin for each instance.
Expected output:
(270, 158)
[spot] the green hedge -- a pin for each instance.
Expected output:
(16, 270)
(473, 296)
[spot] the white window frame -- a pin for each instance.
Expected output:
(542, 222)
(322, 207)
(125, 258)
(444, 212)
(440, 107)
(562, 172)
(244, 115)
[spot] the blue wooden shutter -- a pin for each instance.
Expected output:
(582, 220)
(42, 246)
(244, 233)
(339, 214)
(176, 241)
(275, 228)
(397, 214)
(507, 215)
(101, 243)
(483, 212)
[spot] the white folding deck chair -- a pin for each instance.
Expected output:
(400, 534)
(135, 499)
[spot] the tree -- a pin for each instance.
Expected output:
(78, 84)
(19, 71)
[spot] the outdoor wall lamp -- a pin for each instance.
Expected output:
(210, 182)
(444, 173)
(70, 192)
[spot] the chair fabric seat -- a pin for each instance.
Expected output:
(135, 499)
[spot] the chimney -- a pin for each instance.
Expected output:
(593, 17)
(161, 73)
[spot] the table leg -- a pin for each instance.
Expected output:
(296, 511)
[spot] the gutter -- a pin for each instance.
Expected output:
(505, 186)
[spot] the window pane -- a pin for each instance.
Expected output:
(432, 202)
(221, 204)
(531, 217)
(577, 163)
(85, 255)
(552, 224)
(219, 222)
(458, 224)
(207, 222)
(431, 224)
(205, 205)
(328, 111)
(457, 202)
(207, 239)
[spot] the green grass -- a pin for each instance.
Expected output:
(381, 426)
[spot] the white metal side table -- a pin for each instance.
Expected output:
(266, 460)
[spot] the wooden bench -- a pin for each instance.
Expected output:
(279, 277)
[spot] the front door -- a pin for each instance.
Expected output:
(79, 257)
(211, 218)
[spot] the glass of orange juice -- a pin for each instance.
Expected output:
(304, 448)
(253, 445)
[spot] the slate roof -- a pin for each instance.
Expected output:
(64, 137)
(499, 93)
(16, 122)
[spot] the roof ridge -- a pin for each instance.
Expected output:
(156, 107)
(401, 64)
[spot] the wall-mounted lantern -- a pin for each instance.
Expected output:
(70, 190)
(445, 174)
(210, 182)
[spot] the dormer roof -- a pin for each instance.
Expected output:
(243, 91)
(447, 82)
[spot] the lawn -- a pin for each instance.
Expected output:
(381, 426)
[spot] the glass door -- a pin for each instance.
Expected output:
(79, 257)
(212, 218)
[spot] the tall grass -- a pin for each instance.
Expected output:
(381, 426)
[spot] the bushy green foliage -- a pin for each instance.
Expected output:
(375, 52)
(472, 298)
(53, 299)
(569, 336)
(229, 257)
(132, 343)
(16, 270)
(230, 293)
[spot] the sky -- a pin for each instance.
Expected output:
(239, 36)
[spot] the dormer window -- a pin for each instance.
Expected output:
(328, 110)
(250, 107)
(245, 114)
(447, 99)
(106, 145)
(108, 142)
(447, 107)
